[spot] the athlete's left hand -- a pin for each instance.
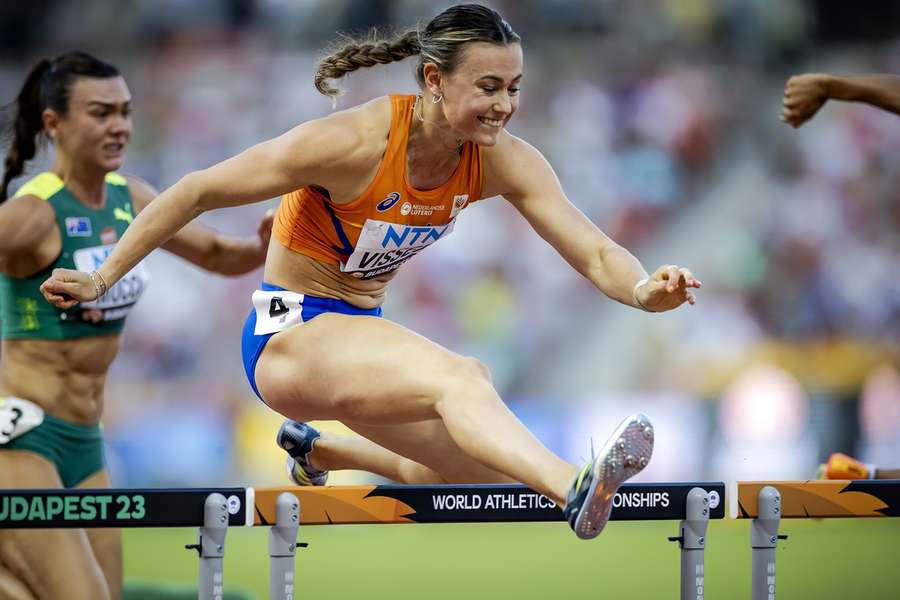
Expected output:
(669, 287)
(65, 288)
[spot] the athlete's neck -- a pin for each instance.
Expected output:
(432, 150)
(431, 131)
(86, 184)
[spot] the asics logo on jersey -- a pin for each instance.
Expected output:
(388, 202)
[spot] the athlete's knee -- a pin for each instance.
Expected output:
(467, 380)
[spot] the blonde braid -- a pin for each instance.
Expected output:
(358, 55)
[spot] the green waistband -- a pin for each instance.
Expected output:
(72, 430)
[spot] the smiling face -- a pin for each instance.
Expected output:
(481, 94)
(96, 127)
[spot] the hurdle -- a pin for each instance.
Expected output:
(284, 509)
(212, 510)
(767, 502)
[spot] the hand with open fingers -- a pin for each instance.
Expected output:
(804, 95)
(669, 287)
(66, 288)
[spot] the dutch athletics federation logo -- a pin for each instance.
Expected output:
(388, 202)
(459, 203)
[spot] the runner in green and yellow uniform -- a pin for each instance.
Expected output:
(54, 362)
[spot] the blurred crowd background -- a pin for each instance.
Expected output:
(661, 119)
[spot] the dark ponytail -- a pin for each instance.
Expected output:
(26, 127)
(48, 85)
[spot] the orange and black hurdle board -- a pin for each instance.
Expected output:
(823, 499)
(472, 503)
(76, 508)
(70, 508)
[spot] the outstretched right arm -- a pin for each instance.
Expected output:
(805, 94)
(309, 153)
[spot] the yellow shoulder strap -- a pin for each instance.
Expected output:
(43, 185)
(115, 179)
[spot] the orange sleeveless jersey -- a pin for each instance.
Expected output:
(391, 221)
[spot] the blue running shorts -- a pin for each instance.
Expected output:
(276, 309)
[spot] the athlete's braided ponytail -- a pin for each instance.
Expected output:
(441, 42)
(358, 55)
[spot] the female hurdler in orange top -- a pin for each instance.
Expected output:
(391, 220)
(365, 190)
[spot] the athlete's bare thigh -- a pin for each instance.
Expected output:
(51, 563)
(11, 587)
(359, 369)
(106, 543)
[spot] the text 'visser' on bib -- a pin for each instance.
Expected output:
(383, 247)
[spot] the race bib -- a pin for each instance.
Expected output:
(382, 247)
(276, 310)
(116, 303)
(18, 416)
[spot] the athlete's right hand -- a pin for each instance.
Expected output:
(804, 95)
(66, 288)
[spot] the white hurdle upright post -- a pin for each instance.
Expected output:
(211, 546)
(283, 547)
(692, 541)
(763, 541)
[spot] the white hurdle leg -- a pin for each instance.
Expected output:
(763, 540)
(692, 542)
(283, 547)
(211, 547)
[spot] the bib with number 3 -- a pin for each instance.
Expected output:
(18, 416)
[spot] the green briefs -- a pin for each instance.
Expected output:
(76, 450)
